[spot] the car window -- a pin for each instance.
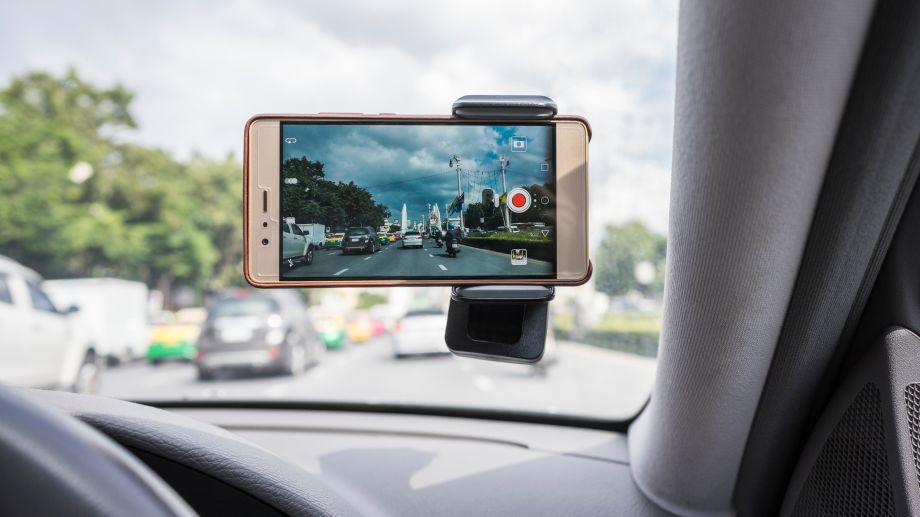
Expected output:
(297, 230)
(140, 204)
(254, 306)
(40, 300)
(5, 296)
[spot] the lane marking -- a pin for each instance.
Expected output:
(333, 253)
(442, 267)
(367, 258)
(430, 255)
(340, 272)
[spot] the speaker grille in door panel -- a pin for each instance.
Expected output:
(912, 395)
(850, 475)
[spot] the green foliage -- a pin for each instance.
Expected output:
(633, 333)
(314, 199)
(368, 299)
(621, 249)
(523, 236)
(138, 214)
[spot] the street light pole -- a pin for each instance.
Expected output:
(505, 215)
(459, 190)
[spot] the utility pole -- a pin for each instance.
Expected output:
(505, 215)
(456, 160)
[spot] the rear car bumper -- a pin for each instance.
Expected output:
(419, 346)
(250, 359)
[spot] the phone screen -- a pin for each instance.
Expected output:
(385, 200)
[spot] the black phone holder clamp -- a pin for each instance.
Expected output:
(505, 323)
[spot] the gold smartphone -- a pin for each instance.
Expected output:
(381, 200)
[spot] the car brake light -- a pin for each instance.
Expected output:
(274, 351)
(199, 355)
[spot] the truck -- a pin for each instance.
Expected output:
(112, 312)
(316, 231)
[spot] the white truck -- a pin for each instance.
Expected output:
(41, 345)
(113, 312)
(315, 231)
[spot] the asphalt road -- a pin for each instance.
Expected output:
(580, 380)
(429, 261)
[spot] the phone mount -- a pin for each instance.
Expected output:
(500, 322)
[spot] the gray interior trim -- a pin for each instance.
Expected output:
(869, 180)
(761, 89)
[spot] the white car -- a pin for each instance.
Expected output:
(412, 239)
(420, 332)
(295, 246)
(41, 346)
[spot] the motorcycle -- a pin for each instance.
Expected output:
(452, 248)
(438, 242)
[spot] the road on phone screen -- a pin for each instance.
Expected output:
(429, 261)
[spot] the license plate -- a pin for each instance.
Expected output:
(354, 239)
(235, 335)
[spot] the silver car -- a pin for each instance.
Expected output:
(257, 331)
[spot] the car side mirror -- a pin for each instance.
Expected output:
(72, 309)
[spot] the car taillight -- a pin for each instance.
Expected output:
(397, 328)
(199, 355)
(274, 351)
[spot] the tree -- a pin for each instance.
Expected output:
(79, 203)
(309, 197)
(621, 249)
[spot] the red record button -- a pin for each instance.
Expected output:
(519, 200)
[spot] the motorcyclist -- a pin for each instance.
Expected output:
(452, 236)
(436, 234)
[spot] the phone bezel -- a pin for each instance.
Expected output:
(261, 177)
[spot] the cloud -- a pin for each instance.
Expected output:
(412, 164)
(200, 69)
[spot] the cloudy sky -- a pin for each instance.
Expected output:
(200, 69)
(411, 164)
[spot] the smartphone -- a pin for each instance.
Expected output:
(382, 200)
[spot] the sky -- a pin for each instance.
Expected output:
(411, 165)
(201, 69)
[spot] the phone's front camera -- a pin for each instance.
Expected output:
(265, 242)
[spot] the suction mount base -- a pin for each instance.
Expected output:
(500, 322)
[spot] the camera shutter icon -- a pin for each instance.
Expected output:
(518, 144)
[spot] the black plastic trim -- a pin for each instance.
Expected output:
(528, 417)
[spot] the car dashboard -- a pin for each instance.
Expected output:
(307, 462)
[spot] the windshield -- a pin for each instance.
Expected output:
(121, 179)
(230, 308)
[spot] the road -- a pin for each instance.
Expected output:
(395, 261)
(581, 380)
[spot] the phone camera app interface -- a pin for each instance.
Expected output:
(420, 201)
